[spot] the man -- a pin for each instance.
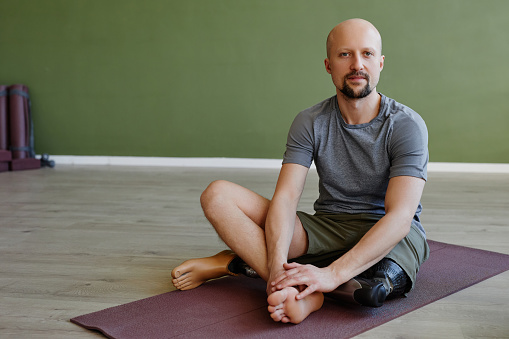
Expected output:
(365, 243)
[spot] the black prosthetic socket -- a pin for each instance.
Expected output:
(367, 292)
(238, 266)
(395, 280)
(385, 280)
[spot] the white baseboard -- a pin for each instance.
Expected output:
(246, 163)
(166, 162)
(460, 167)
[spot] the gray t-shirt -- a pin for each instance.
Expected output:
(355, 162)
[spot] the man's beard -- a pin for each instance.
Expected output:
(350, 93)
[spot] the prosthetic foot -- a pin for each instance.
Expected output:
(385, 280)
(194, 272)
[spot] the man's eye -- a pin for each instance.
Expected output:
(344, 54)
(369, 54)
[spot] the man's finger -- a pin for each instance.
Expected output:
(275, 281)
(306, 292)
(289, 282)
(291, 265)
(279, 278)
(292, 272)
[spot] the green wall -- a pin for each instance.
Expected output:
(203, 78)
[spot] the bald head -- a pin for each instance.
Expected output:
(353, 29)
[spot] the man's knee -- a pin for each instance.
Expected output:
(214, 194)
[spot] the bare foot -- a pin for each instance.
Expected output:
(285, 308)
(194, 272)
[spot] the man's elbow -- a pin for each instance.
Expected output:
(403, 219)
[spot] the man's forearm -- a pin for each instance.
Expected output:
(401, 201)
(279, 229)
(280, 221)
(372, 248)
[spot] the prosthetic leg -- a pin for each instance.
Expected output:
(194, 272)
(385, 280)
(238, 266)
(367, 292)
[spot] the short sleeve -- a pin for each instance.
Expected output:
(299, 144)
(408, 147)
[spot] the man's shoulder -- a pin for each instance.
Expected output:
(400, 113)
(323, 107)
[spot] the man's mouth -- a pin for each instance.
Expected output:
(357, 76)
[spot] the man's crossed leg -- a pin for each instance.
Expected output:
(238, 216)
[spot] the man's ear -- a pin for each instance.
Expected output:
(327, 65)
(382, 62)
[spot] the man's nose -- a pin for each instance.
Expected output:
(357, 63)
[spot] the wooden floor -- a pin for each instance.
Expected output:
(75, 240)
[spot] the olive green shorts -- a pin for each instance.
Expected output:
(332, 235)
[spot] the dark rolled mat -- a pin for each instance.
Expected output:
(5, 154)
(21, 129)
(235, 307)
(19, 121)
(4, 128)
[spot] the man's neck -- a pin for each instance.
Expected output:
(359, 111)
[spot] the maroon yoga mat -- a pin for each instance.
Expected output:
(235, 307)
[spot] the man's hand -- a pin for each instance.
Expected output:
(273, 277)
(314, 278)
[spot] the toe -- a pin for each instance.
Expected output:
(285, 319)
(277, 315)
(175, 273)
(187, 285)
(180, 280)
(183, 278)
(274, 308)
(277, 298)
